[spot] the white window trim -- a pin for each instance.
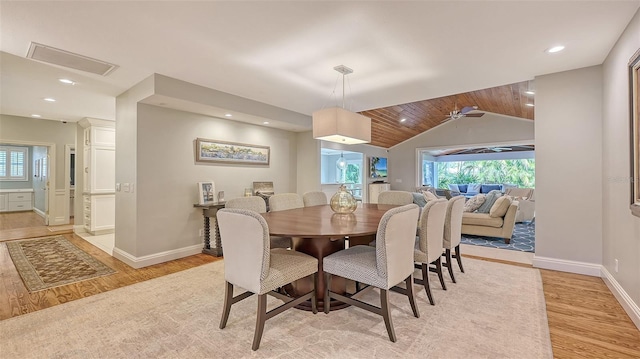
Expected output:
(25, 169)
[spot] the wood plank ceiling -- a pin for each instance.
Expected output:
(421, 116)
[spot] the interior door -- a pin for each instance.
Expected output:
(45, 186)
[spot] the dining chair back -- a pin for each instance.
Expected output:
(251, 264)
(284, 201)
(398, 198)
(384, 266)
(253, 203)
(453, 233)
(429, 244)
(314, 198)
(257, 204)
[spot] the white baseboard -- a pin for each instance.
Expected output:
(145, 261)
(39, 212)
(563, 265)
(79, 228)
(621, 295)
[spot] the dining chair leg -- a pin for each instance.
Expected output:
(458, 258)
(438, 264)
(425, 282)
(260, 319)
(412, 298)
(314, 300)
(228, 298)
(327, 283)
(447, 255)
(386, 314)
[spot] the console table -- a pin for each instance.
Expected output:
(209, 210)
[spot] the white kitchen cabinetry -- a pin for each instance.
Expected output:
(99, 176)
(375, 189)
(20, 200)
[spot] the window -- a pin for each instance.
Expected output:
(13, 163)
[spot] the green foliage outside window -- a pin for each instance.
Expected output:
(352, 173)
(520, 172)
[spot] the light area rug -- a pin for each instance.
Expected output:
(494, 311)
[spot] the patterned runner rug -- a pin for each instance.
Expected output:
(523, 239)
(53, 261)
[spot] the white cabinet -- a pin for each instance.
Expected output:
(99, 183)
(21, 200)
(99, 213)
(375, 189)
(4, 202)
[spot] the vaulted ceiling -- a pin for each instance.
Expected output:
(388, 127)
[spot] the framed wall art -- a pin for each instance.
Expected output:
(214, 151)
(634, 111)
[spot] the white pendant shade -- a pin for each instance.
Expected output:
(336, 124)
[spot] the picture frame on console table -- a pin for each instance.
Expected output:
(206, 192)
(634, 111)
(214, 151)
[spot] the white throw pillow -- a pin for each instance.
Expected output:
(474, 203)
(500, 207)
(428, 196)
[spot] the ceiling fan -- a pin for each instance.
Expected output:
(499, 149)
(465, 112)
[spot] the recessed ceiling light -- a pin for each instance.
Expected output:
(265, 123)
(228, 115)
(49, 99)
(403, 119)
(554, 49)
(530, 92)
(530, 105)
(36, 115)
(67, 81)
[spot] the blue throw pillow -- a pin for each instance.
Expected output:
(491, 198)
(419, 199)
(462, 188)
(486, 188)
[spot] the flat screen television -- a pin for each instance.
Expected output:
(378, 167)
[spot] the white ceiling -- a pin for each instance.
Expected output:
(283, 53)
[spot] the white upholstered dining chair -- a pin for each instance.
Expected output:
(284, 201)
(251, 264)
(257, 204)
(314, 198)
(398, 198)
(453, 233)
(429, 243)
(384, 266)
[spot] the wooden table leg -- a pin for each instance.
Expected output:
(318, 248)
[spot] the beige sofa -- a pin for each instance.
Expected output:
(527, 208)
(481, 224)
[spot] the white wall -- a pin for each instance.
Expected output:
(568, 124)
(26, 129)
(487, 130)
(155, 153)
(167, 172)
(621, 230)
(308, 163)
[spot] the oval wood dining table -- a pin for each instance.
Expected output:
(318, 231)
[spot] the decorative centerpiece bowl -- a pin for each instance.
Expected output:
(343, 201)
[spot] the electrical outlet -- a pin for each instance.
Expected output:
(201, 232)
(616, 266)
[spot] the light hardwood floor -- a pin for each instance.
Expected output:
(585, 320)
